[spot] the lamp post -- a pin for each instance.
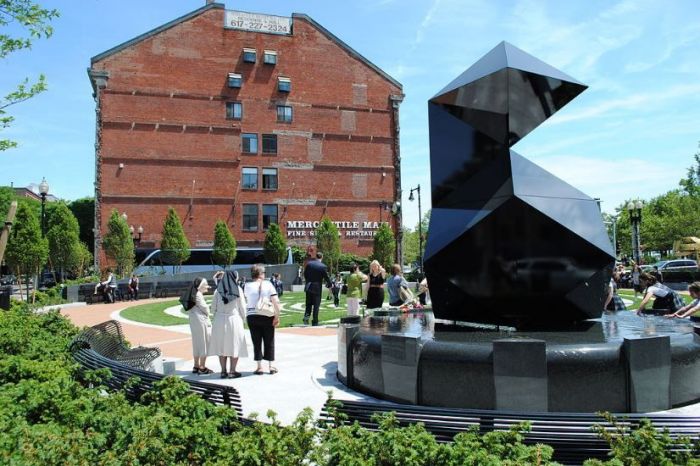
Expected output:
(635, 210)
(420, 226)
(43, 191)
(139, 231)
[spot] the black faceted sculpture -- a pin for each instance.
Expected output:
(509, 242)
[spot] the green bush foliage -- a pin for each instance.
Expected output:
(275, 247)
(224, 245)
(52, 413)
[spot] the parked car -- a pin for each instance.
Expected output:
(8, 280)
(677, 265)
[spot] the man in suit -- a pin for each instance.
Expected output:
(314, 274)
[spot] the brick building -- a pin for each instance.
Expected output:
(249, 118)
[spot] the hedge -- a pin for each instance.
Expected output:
(51, 413)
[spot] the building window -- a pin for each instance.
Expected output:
(250, 143)
(249, 178)
(234, 110)
(269, 142)
(284, 114)
(269, 215)
(249, 55)
(250, 217)
(284, 84)
(235, 80)
(270, 57)
(269, 179)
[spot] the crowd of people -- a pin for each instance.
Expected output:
(649, 285)
(256, 302)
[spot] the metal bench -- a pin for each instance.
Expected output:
(570, 434)
(88, 352)
(107, 340)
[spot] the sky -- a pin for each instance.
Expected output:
(632, 134)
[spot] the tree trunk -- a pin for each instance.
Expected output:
(19, 282)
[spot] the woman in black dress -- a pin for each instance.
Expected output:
(375, 294)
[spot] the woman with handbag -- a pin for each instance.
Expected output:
(263, 316)
(200, 325)
(228, 333)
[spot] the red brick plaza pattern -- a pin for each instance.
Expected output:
(166, 138)
(171, 344)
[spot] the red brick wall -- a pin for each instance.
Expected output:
(163, 118)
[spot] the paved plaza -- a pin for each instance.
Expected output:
(305, 356)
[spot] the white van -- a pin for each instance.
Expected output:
(201, 261)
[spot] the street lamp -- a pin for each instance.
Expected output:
(137, 239)
(635, 210)
(43, 190)
(420, 226)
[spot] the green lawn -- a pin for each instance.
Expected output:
(628, 294)
(292, 311)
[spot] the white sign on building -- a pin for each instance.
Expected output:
(257, 22)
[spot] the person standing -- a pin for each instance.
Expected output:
(200, 325)
(394, 284)
(228, 333)
(375, 293)
(336, 285)
(355, 280)
(315, 272)
(260, 296)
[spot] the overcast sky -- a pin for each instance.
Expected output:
(631, 134)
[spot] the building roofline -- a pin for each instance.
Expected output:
(158, 30)
(354, 53)
(220, 6)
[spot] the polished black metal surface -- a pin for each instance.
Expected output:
(509, 242)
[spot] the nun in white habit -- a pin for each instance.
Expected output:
(228, 332)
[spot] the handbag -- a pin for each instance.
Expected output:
(264, 306)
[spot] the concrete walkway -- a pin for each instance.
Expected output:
(305, 357)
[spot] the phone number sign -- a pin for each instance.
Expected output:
(257, 22)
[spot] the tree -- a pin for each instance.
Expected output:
(275, 247)
(83, 260)
(63, 236)
(224, 245)
(328, 242)
(35, 20)
(173, 243)
(26, 250)
(384, 245)
(118, 244)
(691, 183)
(84, 211)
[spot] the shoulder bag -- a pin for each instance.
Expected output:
(264, 306)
